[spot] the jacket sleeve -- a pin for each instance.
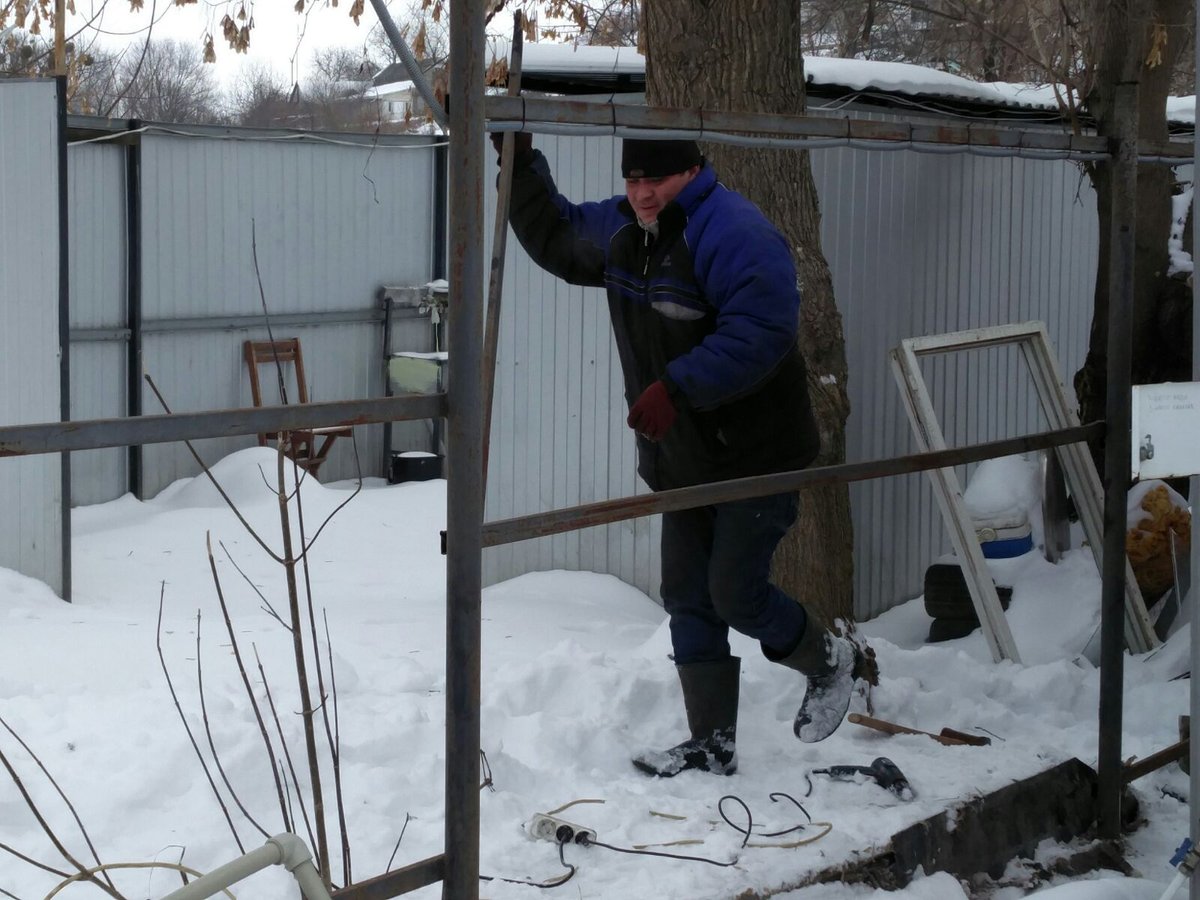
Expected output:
(566, 239)
(746, 273)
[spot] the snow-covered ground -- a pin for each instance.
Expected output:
(576, 678)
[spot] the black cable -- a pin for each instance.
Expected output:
(749, 831)
(551, 883)
(588, 842)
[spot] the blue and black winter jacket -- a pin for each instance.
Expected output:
(710, 306)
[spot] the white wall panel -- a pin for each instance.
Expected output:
(924, 243)
(329, 223)
(97, 223)
(31, 541)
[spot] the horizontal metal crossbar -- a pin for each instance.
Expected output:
(396, 882)
(131, 431)
(522, 528)
(529, 113)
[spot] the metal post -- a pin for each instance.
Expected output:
(133, 300)
(1193, 502)
(64, 326)
(1116, 455)
(464, 506)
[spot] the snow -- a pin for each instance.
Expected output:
(906, 79)
(575, 679)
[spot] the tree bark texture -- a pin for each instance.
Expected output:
(746, 55)
(1154, 32)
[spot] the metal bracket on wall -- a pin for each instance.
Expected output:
(1081, 477)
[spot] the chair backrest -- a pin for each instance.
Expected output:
(275, 353)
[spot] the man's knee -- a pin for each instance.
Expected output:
(738, 599)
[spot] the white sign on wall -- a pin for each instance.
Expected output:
(1166, 430)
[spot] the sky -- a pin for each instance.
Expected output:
(576, 679)
(282, 38)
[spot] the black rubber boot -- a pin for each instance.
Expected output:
(710, 696)
(829, 663)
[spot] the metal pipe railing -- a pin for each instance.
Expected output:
(96, 434)
(285, 850)
(521, 528)
(767, 129)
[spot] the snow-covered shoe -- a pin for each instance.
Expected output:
(710, 696)
(829, 663)
(716, 753)
(828, 695)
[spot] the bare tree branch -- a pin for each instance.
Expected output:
(191, 737)
(287, 754)
(216, 484)
(212, 747)
(61, 793)
(237, 655)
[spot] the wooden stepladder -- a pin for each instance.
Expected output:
(1078, 469)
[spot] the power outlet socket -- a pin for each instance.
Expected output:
(546, 828)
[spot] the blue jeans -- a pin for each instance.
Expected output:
(716, 562)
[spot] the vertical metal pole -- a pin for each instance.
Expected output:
(1194, 502)
(464, 512)
(1116, 455)
(64, 329)
(133, 300)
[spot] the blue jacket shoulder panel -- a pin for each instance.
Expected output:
(744, 269)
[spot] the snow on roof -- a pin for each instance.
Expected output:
(905, 79)
(562, 58)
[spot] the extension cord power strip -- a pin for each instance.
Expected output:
(548, 828)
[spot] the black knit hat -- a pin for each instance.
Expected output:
(655, 159)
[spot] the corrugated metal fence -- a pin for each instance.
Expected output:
(30, 488)
(917, 243)
(330, 224)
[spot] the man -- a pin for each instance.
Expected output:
(705, 308)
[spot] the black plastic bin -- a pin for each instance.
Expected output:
(408, 465)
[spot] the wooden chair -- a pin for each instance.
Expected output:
(308, 446)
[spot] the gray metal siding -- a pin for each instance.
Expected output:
(331, 225)
(917, 243)
(96, 203)
(30, 487)
(929, 243)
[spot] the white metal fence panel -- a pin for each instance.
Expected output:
(924, 243)
(330, 224)
(99, 317)
(31, 487)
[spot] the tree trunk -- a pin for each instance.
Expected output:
(745, 55)
(1153, 31)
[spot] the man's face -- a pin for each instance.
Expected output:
(648, 196)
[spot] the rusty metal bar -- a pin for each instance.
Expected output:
(95, 434)
(464, 433)
(508, 531)
(397, 882)
(1122, 238)
(528, 113)
(491, 330)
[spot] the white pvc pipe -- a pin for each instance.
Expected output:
(1180, 878)
(285, 850)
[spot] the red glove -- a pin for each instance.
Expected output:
(653, 414)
